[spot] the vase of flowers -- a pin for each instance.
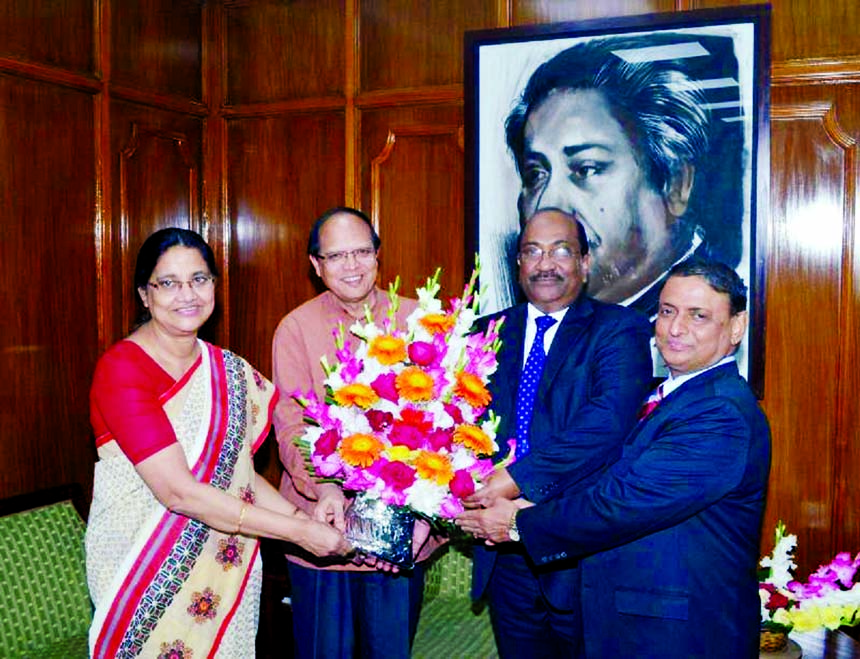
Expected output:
(405, 422)
(830, 598)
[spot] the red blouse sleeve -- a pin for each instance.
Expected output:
(124, 402)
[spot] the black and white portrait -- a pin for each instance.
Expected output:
(646, 136)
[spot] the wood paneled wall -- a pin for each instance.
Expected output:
(245, 119)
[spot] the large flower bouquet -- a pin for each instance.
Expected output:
(405, 417)
(829, 599)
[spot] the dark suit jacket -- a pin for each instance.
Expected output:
(670, 532)
(597, 373)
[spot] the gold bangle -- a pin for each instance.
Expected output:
(241, 517)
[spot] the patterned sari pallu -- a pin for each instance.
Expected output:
(165, 585)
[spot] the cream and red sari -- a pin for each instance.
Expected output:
(165, 585)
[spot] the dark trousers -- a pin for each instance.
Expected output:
(524, 624)
(354, 615)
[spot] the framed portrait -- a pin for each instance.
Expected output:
(652, 130)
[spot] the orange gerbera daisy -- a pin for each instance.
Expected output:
(437, 323)
(470, 388)
(355, 394)
(433, 466)
(472, 437)
(360, 450)
(414, 384)
(387, 349)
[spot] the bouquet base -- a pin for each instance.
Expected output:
(772, 641)
(376, 528)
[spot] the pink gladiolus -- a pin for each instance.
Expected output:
(483, 469)
(385, 387)
(359, 480)
(451, 507)
(329, 466)
(845, 568)
(422, 353)
(462, 484)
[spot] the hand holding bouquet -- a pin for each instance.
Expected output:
(405, 419)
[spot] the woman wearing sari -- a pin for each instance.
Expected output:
(173, 560)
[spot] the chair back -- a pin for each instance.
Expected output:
(45, 604)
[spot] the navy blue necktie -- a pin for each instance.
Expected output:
(529, 381)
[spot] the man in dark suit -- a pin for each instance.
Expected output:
(669, 535)
(597, 370)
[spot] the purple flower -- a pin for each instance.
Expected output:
(379, 421)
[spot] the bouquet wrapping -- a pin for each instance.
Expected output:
(405, 420)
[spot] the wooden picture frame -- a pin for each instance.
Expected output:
(690, 93)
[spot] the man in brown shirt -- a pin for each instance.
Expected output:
(340, 609)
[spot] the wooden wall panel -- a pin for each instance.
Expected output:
(48, 286)
(284, 50)
(156, 162)
(58, 34)
(283, 172)
(814, 158)
(551, 11)
(803, 29)
(404, 43)
(156, 46)
(413, 180)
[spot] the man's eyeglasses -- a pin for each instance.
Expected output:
(559, 253)
(198, 283)
(362, 255)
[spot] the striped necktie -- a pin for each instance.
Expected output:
(652, 402)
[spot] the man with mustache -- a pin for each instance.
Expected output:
(589, 367)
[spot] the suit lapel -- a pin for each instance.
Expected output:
(678, 399)
(572, 325)
(507, 376)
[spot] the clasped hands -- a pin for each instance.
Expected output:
(330, 508)
(491, 509)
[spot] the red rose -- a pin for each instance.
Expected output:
(397, 475)
(462, 484)
(385, 387)
(416, 419)
(327, 443)
(379, 420)
(776, 601)
(422, 353)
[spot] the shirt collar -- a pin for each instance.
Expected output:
(670, 384)
(533, 312)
